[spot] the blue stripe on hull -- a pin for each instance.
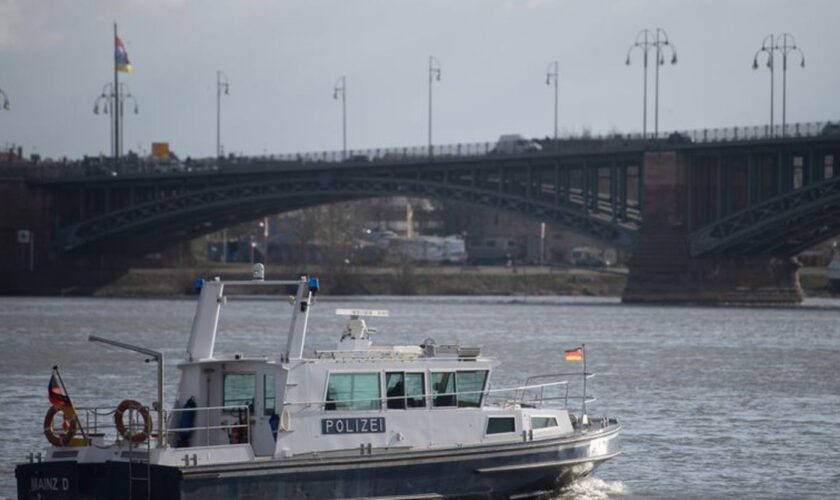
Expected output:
(450, 478)
(496, 474)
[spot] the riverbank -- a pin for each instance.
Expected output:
(452, 280)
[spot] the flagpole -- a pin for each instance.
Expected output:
(583, 352)
(75, 416)
(116, 103)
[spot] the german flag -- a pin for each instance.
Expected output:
(57, 395)
(575, 354)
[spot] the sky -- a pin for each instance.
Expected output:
(282, 60)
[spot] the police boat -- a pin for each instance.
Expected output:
(357, 421)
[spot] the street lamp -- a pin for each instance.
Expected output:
(341, 88)
(265, 230)
(127, 97)
(106, 100)
(5, 100)
(767, 48)
(434, 73)
(785, 43)
(221, 83)
(552, 76)
(659, 41)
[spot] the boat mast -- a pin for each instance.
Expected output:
(297, 330)
(157, 356)
(583, 406)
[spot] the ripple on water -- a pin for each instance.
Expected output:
(715, 402)
(592, 488)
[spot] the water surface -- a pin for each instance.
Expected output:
(715, 402)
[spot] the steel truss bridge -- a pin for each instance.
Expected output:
(741, 191)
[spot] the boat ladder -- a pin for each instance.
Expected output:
(137, 474)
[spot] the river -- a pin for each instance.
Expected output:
(715, 402)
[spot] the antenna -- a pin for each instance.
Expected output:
(355, 313)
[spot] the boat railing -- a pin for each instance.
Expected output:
(537, 397)
(100, 427)
(98, 424)
(238, 431)
(517, 392)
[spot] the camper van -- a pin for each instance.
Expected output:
(515, 143)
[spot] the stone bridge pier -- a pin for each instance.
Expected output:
(31, 264)
(662, 270)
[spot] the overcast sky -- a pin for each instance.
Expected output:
(282, 59)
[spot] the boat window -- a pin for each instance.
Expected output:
(500, 425)
(543, 422)
(443, 383)
(409, 385)
(415, 390)
(269, 394)
(353, 391)
(239, 389)
(471, 382)
(395, 388)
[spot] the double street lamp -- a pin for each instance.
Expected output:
(785, 44)
(221, 84)
(434, 74)
(341, 89)
(552, 76)
(657, 40)
(5, 100)
(113, 103)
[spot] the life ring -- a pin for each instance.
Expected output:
(137, 437)
(71, 425)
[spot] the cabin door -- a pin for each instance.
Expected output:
(266, 418)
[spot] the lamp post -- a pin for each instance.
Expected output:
(552, 76)
(785, 44)
(434, 73)
(221, 83)
(657, 40)
(265, 229)
(767, 48)
(5, 100)
(341, 89)
(107, 100)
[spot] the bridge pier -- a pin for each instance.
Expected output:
(661, 269)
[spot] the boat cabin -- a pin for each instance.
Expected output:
(355, 398)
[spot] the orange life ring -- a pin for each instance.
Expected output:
(138, 437)
(71, 425)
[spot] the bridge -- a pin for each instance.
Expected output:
(708, 215)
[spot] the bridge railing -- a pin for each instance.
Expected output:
(751, 133)
(389, 154)
(585, 142)
(577, 142)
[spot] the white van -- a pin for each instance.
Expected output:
(515, 143)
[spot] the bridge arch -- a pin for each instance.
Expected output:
(190, 214)
(784, 225)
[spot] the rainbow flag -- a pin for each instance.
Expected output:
(121, 56)
(575, 354)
